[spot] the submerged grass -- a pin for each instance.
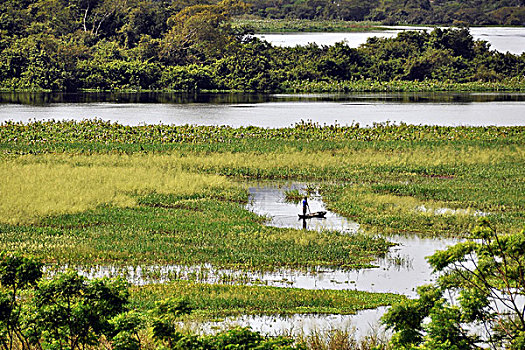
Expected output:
(212, 301)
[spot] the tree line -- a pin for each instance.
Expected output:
(67, 45)
(436, 12)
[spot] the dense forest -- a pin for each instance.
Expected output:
(444, 12)
(69, 45)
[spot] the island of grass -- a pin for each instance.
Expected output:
(212, 301)
(389, 178)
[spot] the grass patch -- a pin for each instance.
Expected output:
(199, 221)
(33, 187)
(218, 300)
(382, 174)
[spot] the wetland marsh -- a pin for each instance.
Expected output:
(157, 195)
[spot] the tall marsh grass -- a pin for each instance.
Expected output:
(33, 187)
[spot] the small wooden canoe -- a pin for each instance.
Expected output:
(317, 214)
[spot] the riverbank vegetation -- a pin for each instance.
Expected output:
(74, 312)
(483, 274)
(304, 25)
(390, 12)
(155, 45)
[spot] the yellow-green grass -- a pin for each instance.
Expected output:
(34, 187)
(349, 160)
(385, 189)
(218, 300)
(146, 209)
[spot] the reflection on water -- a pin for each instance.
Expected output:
(400, 271)
(246, 100)
(270, 202)
(269, 111)
(363, 323)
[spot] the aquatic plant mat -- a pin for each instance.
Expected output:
(389, 178)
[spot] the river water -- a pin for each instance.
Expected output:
(270, 111)
(503, 39)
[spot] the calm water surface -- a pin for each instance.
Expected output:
(502, 39)
(271, 111)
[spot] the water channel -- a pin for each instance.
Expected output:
(400, 271)
(270, 111)
(503, 39)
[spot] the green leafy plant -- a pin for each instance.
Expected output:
(71, 312)
(17, 274)
(485, 273)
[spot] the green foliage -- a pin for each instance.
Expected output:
(301, 25)
(164, 327)
(155, 45)
(390, 178)
(17, 273)
(466, 12)
(118, 74)
(125, 327)
(249, 68)
(212, 301)
(187, 78)
(406, 317)
(65, 312)
(489, 282)
(244, 338)
(237, 338)
(71, 311)
(293, 196)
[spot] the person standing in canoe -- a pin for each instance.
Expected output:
(305, 205)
